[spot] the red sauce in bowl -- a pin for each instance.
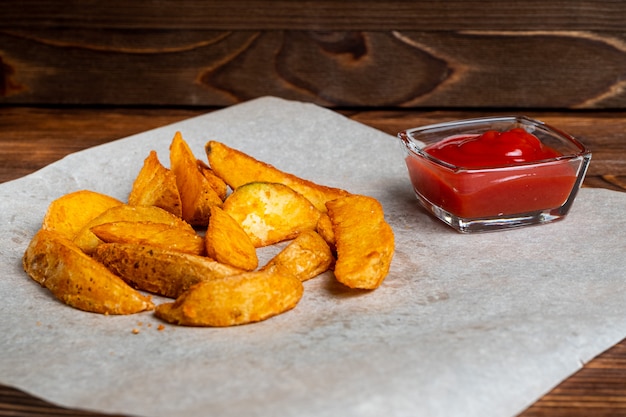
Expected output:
(491, 149)
(492, 174)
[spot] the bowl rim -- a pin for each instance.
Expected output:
(417, 150)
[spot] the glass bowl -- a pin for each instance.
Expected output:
(498, 196)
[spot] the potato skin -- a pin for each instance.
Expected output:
(235, 300)
(196, 193)
(218, 184)
(155, 185)
(162, 235)
(87, 241)
(364, 241)
(305, 257)
(78, 280)
(160, 271)
(226, 242)
(325, 229)
(237, 168)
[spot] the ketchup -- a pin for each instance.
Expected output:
(492, 148)
(494, 175)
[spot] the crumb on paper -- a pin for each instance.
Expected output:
(161, 327)
(135, 331)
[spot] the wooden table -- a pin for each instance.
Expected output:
(32, 137)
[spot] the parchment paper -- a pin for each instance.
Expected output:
(464, 325)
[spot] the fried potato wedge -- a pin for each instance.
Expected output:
(69, 213)
(270, 212)
(78, 280)
(160, 271)
(218, 184)
(237, 168)
(197, 195)
(228, 243)
(364, 241)
(305, 257)
(87, 241)
(162, 235)
(239, 299)
(324, 228)
(155, 185)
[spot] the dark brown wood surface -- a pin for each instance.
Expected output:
(450, 54)
(319, 15)
(31, 138)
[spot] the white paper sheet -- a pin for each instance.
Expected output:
(464, 325)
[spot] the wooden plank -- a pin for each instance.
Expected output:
(31, 138)
(370, 15)
(413, 69)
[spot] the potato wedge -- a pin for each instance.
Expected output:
(364, 241)
(305, 257)
(160, 271)
(155, 185)
(325, 229)
(218, 184)
(78, 280)
(162, 235)
(239, 299)
(270, 212)
(87, 241)
(237, 168)
(228, 243)
(196, 193)
(69, 213)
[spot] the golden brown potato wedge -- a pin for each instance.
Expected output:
(270, 212)
(305, 257)
(228, 243)
(325, 229)
(160, 271)
(162, 235)
(155, 185)
(237, 168)
(196, 193)
(68, 214)
(239, 299)
(364, 241)
(78, 280)
(87, 241)
(218, 184)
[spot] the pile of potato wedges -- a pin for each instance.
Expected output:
(191, 233)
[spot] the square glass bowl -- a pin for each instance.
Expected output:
(499, 196)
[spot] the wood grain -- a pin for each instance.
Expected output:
(318, 15)
(421, 54)
(33, 137)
